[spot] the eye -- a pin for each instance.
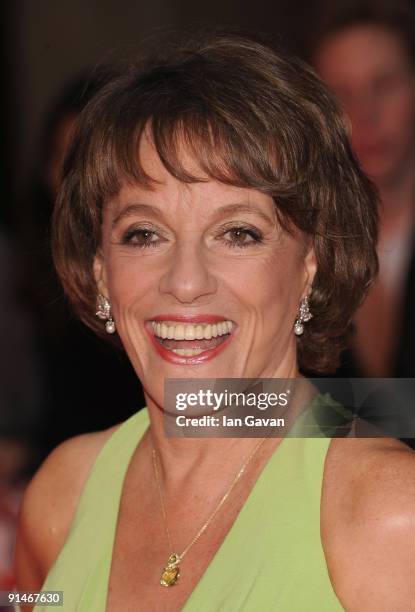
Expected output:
(241, 237)
(141, 237)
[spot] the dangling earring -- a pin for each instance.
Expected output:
(104, 313)
(304, 315)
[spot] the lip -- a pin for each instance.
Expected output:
(172, 357)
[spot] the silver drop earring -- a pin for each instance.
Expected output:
(104, 313)
(304, 315)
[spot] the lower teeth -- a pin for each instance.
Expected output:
(187, 352)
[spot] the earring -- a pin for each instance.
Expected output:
(104, 313)
(304, 315)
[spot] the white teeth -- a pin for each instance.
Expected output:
(189, 332)
(178, 331)
(163, 330)
(187, 352)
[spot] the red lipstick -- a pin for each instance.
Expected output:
(171, 356)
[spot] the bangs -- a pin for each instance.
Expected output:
(226, 137)
(218, 151)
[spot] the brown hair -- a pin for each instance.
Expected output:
(253, 117)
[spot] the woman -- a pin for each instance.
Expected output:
(206, 196)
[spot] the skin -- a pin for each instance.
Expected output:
(370, 71)
(194, 269)
(191, 269)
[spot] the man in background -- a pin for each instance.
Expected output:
(365, 51)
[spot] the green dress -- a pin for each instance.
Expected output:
(271, 560)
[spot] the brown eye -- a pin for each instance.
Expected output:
(141, 238)
(242, 237)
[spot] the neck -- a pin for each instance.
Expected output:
(182, 457)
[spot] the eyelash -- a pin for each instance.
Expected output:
(255, 234)
(127, 239)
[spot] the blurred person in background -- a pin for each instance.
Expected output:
(22, 398)
(82, 372)
(365, 51)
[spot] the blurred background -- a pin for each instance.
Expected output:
(56, 378)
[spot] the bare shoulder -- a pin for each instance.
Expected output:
(368, 521)
(49, 505)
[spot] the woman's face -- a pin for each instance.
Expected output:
(203, 282)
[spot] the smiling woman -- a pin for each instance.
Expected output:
(193, 246)
(268, 133)
(213, 215)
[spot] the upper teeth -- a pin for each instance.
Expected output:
(179, 331)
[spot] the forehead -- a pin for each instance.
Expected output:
(154, 167)
(359, 52)
(168, 193)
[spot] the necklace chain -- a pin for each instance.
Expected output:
(174, 559)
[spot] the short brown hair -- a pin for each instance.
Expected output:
(253, 117)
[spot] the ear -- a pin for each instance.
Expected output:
(100, 274)
(310, 269)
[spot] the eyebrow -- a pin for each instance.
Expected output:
(243, 208)
(134, 209)
(222, 211)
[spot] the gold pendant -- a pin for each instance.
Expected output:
(171, 572)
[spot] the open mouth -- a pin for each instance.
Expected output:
(190, 339)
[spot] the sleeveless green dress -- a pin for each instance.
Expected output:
(271, 560)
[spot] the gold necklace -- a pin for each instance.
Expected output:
(171, 572)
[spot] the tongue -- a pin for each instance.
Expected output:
(200, 344)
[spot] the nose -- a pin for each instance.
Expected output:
(188, 277)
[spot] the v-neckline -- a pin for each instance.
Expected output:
(225, 542)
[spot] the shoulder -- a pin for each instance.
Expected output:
(368, 521)
(49, 505)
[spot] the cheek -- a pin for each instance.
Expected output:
(129, 282)
(399, 117)
(271, 297)
(270, 289)
(281, 295)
